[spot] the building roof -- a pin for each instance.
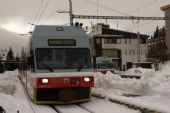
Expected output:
(165, 7)
(124, 33)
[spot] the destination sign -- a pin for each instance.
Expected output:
(61, 42)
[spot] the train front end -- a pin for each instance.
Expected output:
(59, 67)
(63, 88)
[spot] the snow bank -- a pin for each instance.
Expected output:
(13, 98)
(133, 86)
(144, 73)
(152, 88)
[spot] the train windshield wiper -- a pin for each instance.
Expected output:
(80, 67)
(48, 67)
(82, 63)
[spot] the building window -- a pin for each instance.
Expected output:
(133, 51)
(105, 41)
(129, 41)
(125, 41)
(98, 41)
(125, 52)
(111, 41)
(143, 41)
(129, 51)
(118, 41)
(146, 52)
(110, 53)
(141, 52)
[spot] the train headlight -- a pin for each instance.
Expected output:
(44, 80)
(87, 79)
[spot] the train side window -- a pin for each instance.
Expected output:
(31, 60)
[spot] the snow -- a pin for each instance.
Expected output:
(13, 98)
(144, 73)
(152, 91)
(100, 106)
(70, 109)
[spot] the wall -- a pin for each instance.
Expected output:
(166, 9)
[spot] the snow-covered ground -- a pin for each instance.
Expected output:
(153, 90)
(13, 99)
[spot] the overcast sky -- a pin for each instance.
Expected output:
(16, 14)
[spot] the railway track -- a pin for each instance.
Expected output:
(129, 105)
(97, 105)
(76, 108)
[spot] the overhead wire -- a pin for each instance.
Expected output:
(143, 24)
(144, 6)
(140, 8)
(117, 11)
(36, 15)
(107, 8)
(104, 7)
(43, 11)
(131, 25)
(122, 13)
(50, 15)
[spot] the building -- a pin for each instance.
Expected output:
(3, 53)
(121, 46)
(166, 9)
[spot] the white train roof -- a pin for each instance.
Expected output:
(50, 30)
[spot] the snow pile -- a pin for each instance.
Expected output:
(132, 86)
(161, 81)
(13, 98)
(139, 72)
(7, 90)
(152, 88)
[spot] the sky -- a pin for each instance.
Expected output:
(152, 90)
(13, 40)
(21, 16)
(17, 15)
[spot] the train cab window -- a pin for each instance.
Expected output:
(62, 58)
(30, 61)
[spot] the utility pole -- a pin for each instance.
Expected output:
(138, 47)
(70, 12)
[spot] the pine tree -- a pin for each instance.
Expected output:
(163, 32)
(158, 51)
(10, 54)
(156, 33)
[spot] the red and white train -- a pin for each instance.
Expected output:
(57, 67)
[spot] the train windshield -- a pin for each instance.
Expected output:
(63, 58)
